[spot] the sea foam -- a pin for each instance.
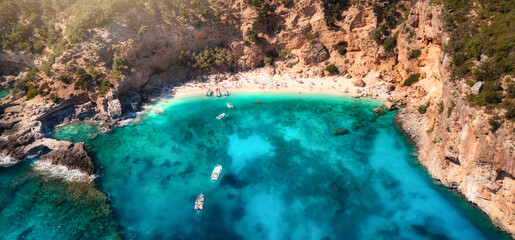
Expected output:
(63, 172)
(6, 160)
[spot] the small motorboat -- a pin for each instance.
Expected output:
(216, 172)
(209, 93)
(230, 105)
(220, 116)
(225, 92)
(218, 93)
(199, 203)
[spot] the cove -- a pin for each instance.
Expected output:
(285, 176)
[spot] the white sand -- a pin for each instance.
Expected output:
(256, 81)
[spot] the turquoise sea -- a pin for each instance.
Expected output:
(285, 176)
(4, 92)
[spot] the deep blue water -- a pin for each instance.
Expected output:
(285, 175)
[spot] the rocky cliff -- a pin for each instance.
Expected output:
(453, 138)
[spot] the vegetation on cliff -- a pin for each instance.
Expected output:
(207, 59)
(482, 46)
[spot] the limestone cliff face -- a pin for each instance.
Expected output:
(453, 138)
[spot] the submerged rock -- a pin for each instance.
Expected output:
(378, 111)
(389, 105)
(159, 111)
(340, 131)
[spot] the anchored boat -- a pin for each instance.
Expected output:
(216, 172)
(220, 116)
(199, 203)
(230, 105)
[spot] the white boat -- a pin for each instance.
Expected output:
(216, 172)
(220, 116)
(199, 203)
(230, 105)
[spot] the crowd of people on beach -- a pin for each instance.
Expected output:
(265, 82)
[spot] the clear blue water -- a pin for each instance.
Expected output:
(4, 92)
(35, 207)
(285, 175)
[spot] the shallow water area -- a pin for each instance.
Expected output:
(5, 92)
(285, 174)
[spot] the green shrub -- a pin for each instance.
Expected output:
(252, 35)
(103, 86)
(440, 107)
(262, 7)
(120, 63)
(449, 111)
(510, 90)
(495, 122)
(413, 78)
(310, 36)
(333, 9)
(268, 61)
(510, 109)
(331, 68)
(186, 59)
(84, 80)
(53, 97)
(283, 53)
(213, 57)
(288, 3)
(423, 108)
(415, 54)
(390, 43)
(206, 59)
(342, 50)
(32, 91)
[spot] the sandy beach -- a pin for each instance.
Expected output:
(260, 81)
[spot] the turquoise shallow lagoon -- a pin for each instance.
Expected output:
(285, 175)
(5, 92)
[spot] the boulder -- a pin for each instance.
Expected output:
(314, 52)
(389, 105)
(378, 111)
(359, 83)
(73, 156)
(476, 89)
(114, 108)
(340, 131)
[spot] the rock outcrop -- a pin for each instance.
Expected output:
(114, 108)
(314, 52)
(476, 88)
(71, 155)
